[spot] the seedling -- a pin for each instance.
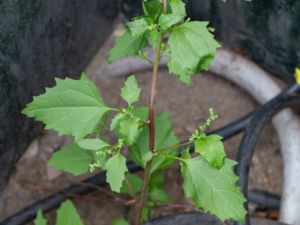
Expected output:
(75, 107)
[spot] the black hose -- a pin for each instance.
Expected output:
(253, 130)
(51, 202)
(264, 200)
(234, 127)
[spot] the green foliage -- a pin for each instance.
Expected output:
(67, 215)
(153, 37)
(158, 196)
(127, 126)
(74, 107)
(40, 220)
(178, 8)
(127, 45)
(131, 92)
(134, 181)
(164, 137)
(152, 9)
(116, 169)
(138, 26)
(120, 222)
(125, 123)
(72, 159)
(71, 107)
(214, 190)
(212, 149)
(92, 144)
(156, 193)
(177, 15)
(100, 158)
(192, 48)
(168, 20)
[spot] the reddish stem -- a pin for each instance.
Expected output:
(151, 125)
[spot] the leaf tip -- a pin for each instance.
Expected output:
(84, 75)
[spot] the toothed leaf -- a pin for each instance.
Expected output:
(116, 169)
(178, 7)
(67, 215)
(214, 190)
(127, 45)
(138, 26)
(127, 127)
(131, 91)
(72, 159)
(92, 144)
(212, 149)
(152, 8)
(40, 219)
(192, 48)
(72, 107)
(168, 20)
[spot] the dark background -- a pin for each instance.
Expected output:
(40, 39)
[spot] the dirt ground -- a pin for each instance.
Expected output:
(33, 180)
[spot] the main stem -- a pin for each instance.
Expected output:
(151, 125)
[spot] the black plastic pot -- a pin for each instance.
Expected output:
(201, 219)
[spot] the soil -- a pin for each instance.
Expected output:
(33, 180)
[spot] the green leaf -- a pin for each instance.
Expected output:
(127, 45)
(212, 149)
(214, 190)
(100, 159)
(103, 122)
(192, 48)
(159, 195)
(156, 191)
(138, 26)
(178, 8)
(141, 112)
(67, 215)
(164, 137)
(120, 222)
(153, 36)
(146, 213)
(72, 159)
(177, 15)
(119, 118)
(131, 91)
(116, 169)
(152, 8)
(72, 107)
(127, 127)
(92, 144)
(40, 220)
(156, 180)
(156, 194)
(168, 20)
(136, 184)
